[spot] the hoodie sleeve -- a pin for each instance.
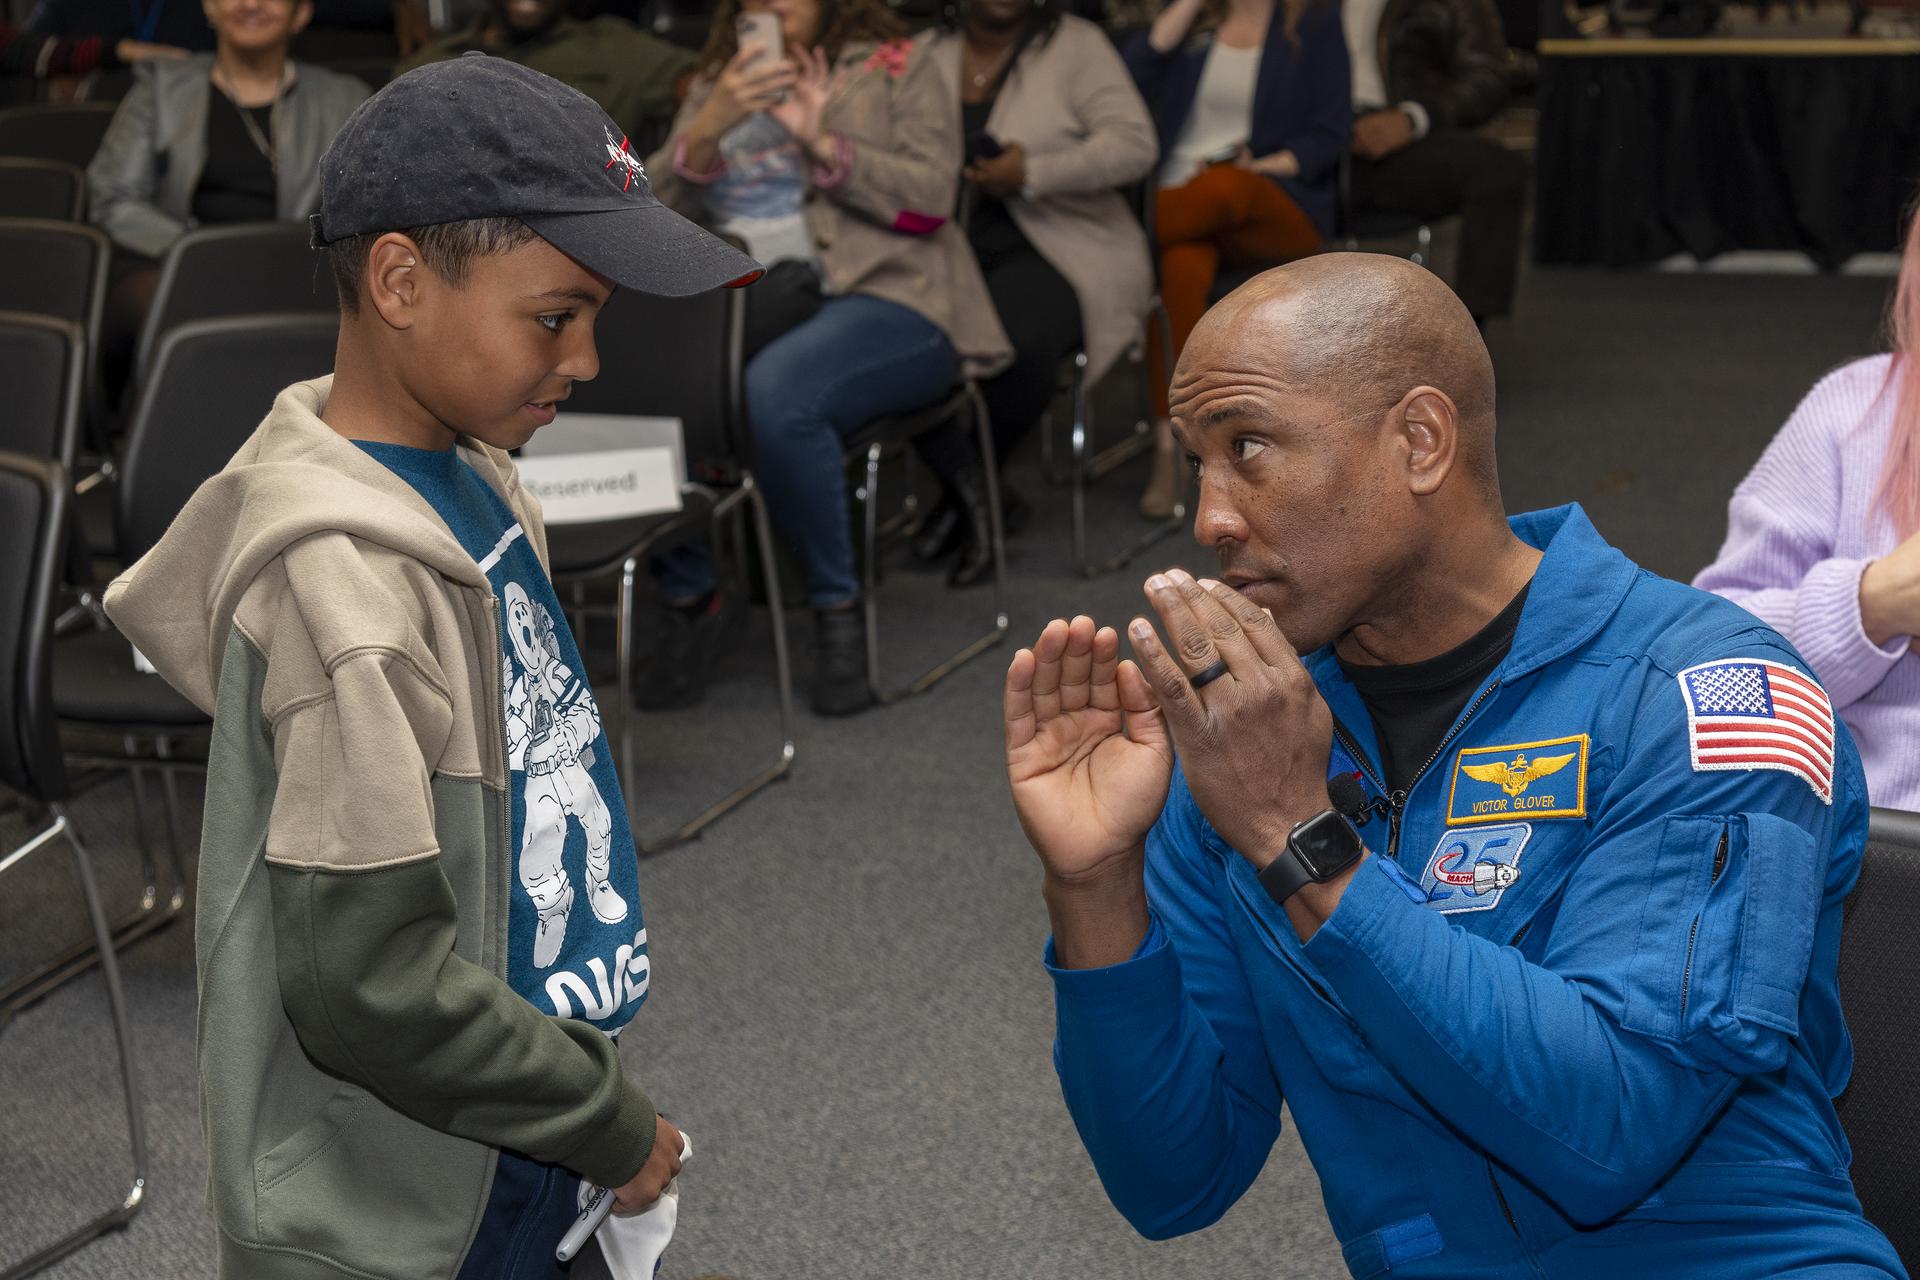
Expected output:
(365, 924)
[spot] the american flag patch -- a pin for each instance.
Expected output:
(1749, 713)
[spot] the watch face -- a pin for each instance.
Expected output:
(1326, 845)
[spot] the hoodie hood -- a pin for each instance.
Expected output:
(294, 477)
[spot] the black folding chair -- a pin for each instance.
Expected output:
(249, 268)
(1088, 464)
(871, 445)
(64, 131)
(1356, 225)
(33, 523)
(679, 358)
(42, 359)
(58, 269)
(1879, 979)
(213, 381)
(49, 189)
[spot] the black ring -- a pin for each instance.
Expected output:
(1212, 673)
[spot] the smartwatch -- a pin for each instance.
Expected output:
(1317, 850)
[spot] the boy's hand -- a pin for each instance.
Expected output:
(661, 1166)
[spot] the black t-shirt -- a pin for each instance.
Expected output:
(237, 184)
(1414, 705)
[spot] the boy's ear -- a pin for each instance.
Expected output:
(394, 277)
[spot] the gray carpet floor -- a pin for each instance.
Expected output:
(848, 1013)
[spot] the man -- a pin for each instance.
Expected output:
(1426, 73)
(633, 76)
(1558, 1000)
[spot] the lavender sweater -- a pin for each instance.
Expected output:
(1799, 533)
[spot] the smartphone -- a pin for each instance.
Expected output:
(759, 34)
(982, 146)
(1225, 155)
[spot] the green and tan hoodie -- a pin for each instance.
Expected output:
(361, 1055)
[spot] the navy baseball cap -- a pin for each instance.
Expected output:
(482, 137)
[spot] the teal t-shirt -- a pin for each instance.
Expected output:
(576, 946)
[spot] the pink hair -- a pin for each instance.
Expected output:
(1898, 493)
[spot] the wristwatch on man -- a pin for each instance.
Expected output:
(1317, 850)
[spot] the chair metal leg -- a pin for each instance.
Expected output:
(1424, 254)
(748, 494)
(170, 800)
(623, 654)
(151, 916)
(103, 941)
(869, 496)
(998, 632)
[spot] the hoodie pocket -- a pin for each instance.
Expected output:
(311, 1140)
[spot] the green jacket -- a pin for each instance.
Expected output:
(632, 75)
(361, 1055)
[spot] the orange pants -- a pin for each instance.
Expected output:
(1223, 215)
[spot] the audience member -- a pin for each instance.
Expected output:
(45, 57)
(183, 24)
(838, 165)
(635, 77)
(1425, 72)
(1050, 125)
(232, 136)
(1254, 110)
(1823, 543)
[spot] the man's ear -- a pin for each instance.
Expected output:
(302, 15)
(394, 279)
(1430, 429)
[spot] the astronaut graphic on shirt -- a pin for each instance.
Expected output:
(552, 723)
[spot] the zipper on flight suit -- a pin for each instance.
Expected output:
(1693, 932)
(1394, 805)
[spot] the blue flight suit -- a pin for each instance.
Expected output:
(1577, 1016)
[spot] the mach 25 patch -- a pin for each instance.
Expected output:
(1546, 779)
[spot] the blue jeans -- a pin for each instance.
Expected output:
(528, 1211)
(854, 360)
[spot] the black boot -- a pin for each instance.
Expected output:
(939, 533)
(840, 685)
(976, 556)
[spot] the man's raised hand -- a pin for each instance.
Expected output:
(1088, 753)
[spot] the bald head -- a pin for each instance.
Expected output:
(1363, 328)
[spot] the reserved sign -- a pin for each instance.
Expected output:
(606, 484)
(587, 468)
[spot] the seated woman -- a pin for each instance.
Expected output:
(838, 166)
(1823, 543)
(1052, 127)
(1254, 110)
(231, 136)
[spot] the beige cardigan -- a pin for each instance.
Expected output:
(901, 123)
(1072, 107)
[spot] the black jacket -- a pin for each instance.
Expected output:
(1447, 55)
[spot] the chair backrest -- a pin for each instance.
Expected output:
(54, 269)
(251, 268)
(1880, 992)
(42, 189)
(674, 357)
(65, 131)
(213, 381)
(42, 360)
(33, 520)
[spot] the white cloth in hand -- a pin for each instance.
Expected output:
(632, 1247)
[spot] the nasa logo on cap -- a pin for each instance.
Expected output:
(1470, 870)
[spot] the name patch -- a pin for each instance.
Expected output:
(1469, 870)
(1521, 780)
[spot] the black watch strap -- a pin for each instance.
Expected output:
(1317, 850)
(1285, 876)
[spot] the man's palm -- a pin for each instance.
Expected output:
(1084, 790)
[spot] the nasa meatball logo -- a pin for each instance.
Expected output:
(1469, 870)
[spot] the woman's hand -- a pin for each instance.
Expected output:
(1890, 594)
(801, 109)
(1275, 164)
(132, 51)
(1000, 176)
(1170, 30)
(749, 83)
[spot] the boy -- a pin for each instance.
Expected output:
(419, 923)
